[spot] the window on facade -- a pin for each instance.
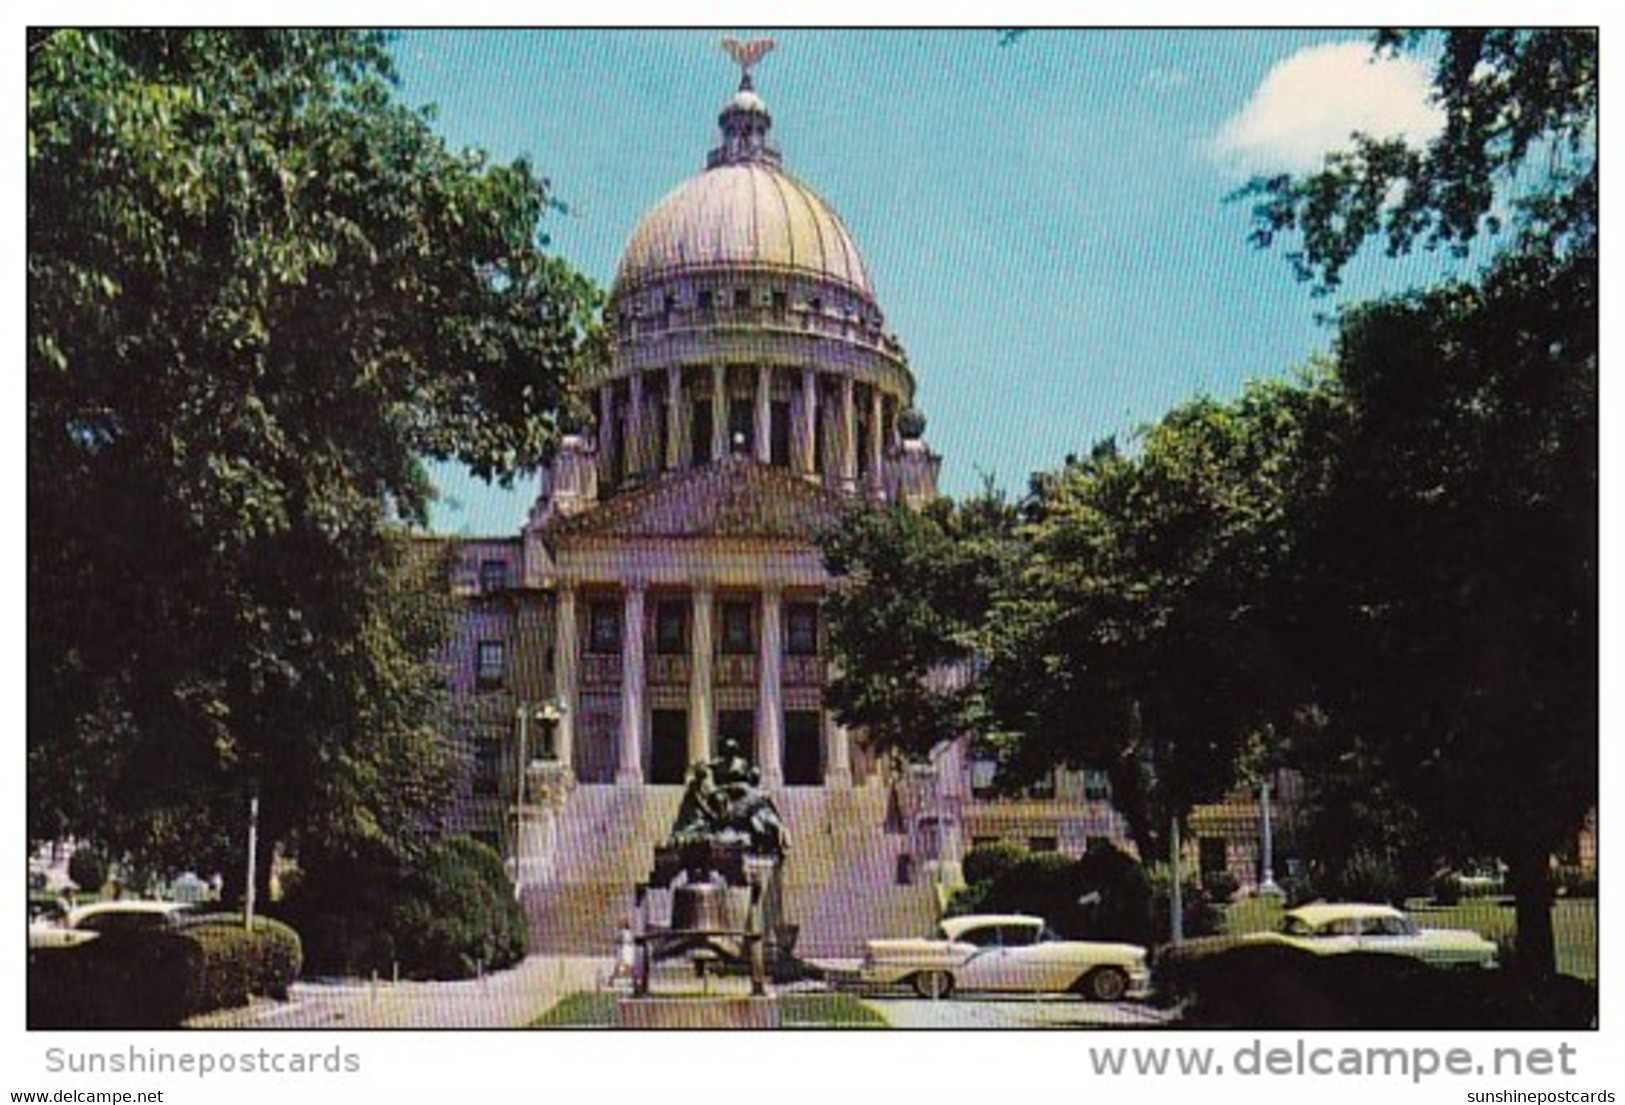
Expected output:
(487, 766)
(779, 434)
(1042, 844)
(741, 298)
(736, 634)
(741, 427)
(1212, 854)
(700, 431)
(781, 302)
(706, 300)
(489, 662)
(801, 629)
(493, 576)
(604, 626)
(982, 774)
(671, 624)
(1096, 787)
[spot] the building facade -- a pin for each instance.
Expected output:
(666, 592)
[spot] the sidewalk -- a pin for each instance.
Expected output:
(507, 999)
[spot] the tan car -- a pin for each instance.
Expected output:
(1335, 928)
(1003, 953)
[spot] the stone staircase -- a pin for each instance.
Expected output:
(841, 881)
(606, 839)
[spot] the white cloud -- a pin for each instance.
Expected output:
(1310, 103)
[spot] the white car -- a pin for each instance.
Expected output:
(1340, 927)
(88, 922)
(1006, 952)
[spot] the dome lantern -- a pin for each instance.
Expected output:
(745, 120)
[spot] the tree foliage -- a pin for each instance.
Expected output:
(1450, 589)
(914, 591)
(1519, 139)
(261, 291)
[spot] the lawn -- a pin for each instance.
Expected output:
(596, 1009)
(1574, 921)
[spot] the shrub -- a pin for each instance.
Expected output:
(1221, 886)
(1368, 876)
(986, 862)
(1123, 909)
(158, 979)
(1200, 913)
(1046, 885)
(458, 913)
(970, 899)
(87, 867)
(1225, 984)
(1445, 887)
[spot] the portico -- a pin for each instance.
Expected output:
(663, 641)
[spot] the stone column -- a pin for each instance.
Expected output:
(877, 444)
(565, 653)
(837, 753)
(807, 424)
(632, 684)
(849, 435)
(606, 435)
(720, 445)
(764, 414)
(637, 431)
(769, 705)
(702, 652)
(675, 420)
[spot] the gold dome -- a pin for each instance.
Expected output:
(739, 216)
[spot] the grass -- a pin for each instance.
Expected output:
(1574, 923)
(596, 1009)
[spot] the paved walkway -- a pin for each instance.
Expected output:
(507, 999)
(1017, 1012)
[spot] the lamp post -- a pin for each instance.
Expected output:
(548, 713)
(1267, 886)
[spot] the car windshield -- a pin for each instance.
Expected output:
(1295, 926)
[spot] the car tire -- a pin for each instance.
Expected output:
(1106, 984)
(933, 984)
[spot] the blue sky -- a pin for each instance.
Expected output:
(1044, 222)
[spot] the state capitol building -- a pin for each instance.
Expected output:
(666, 591)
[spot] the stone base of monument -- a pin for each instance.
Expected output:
(720, 1011)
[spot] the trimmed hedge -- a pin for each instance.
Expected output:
(1226, 983)
(158, 979)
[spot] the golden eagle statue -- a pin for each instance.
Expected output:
(747, 54)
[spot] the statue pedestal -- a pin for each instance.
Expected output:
(699, 1012)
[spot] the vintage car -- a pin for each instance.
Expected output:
(1334, 928)
(1005, 952)
(85, 923)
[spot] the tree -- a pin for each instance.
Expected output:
(261, 291)
(1145, 635)
(905, 618)
(1452, 589)
(1520, 137)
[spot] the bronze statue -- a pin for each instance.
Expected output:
(724, 804)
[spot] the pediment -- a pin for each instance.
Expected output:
(733, 498)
